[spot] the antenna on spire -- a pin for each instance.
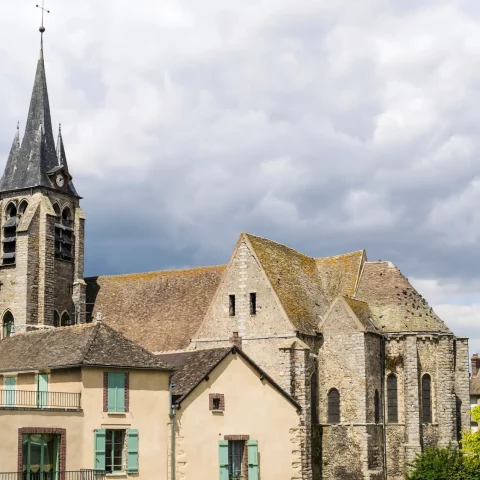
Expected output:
(43, 9)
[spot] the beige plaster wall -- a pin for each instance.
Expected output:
(252, 407)
(148, 412)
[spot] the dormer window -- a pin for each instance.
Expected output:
(9, 240)
(63, 234)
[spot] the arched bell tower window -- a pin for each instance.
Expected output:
(9, 240)
(333, 406)
(8, 322)
(56, 319)
(66, 320)
(63, 234)
(23, 207)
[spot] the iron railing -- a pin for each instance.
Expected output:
(35, 399)
(77, 475)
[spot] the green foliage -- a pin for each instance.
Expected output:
(438, 464)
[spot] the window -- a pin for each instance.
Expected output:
(217, 402)
(40, 454)
(314, 395)
(115, 450)
(333, 406)
(42, 390)
(392, 399)
(238, 459)
(377, 406)
(231, 305)
(63, 234)
(56, 319)
(10, 235)
(10, 386)
(253, 303)
(23, 207)
(66, 321)
(116, 392)
(8, 323)
(426, 399)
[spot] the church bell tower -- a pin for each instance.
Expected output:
(41, 227)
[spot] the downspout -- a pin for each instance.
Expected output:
(172, 432)
(384, 401)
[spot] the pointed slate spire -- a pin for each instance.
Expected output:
(37, 154)
(12, 157)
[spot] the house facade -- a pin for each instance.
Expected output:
(81, 398)
(377, 376)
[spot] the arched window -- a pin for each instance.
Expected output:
(23, 207)
(427, 398)
(66, 320)
(392, 399)
(333, 406)
(377, 406)
(56, 319)
(63, 234)
(56, 208)
(9, 234)
(8, 322)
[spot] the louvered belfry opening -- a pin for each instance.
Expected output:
(392, 399)
(333, 406)
(9, 241)
(64, 235)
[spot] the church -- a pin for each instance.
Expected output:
(338, 364)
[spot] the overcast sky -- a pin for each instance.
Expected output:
(329, 126)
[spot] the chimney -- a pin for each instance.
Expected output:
(475, 364)
(237, 340)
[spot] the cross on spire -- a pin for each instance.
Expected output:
(43, 9)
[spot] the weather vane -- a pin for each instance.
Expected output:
(43, 9)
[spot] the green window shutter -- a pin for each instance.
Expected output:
(116, 392)
(100, 447)
(132, 451)
(252, 446)
(223, 459)
(42, 389)
(10, 384)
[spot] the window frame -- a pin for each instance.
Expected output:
(8, 324)
(427, 413)
(124, 453)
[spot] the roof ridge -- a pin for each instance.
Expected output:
(277, 243)
(157, 271)
(341, 254)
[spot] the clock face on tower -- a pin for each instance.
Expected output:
(60, 180)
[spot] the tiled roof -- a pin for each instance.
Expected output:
(81, 345)
(194, 366)
(304, 285)
(159, 310)
(475, 384)
(363, 313)
(396, 306)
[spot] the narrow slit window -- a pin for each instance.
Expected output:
(392, 399)
(426, 399)
(231, 305)
(253, 303)
(377, 406)
(216, 404)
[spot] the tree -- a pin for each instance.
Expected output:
(437, 464)
(471, 447)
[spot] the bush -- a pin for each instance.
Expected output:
(438, 464)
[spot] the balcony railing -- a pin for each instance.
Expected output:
(78, 475)
(35, 399)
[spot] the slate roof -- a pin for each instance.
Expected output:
(80, 345)
(192, 367)
(395, 305)
(306, 286)
(159, 310)
(28, 163)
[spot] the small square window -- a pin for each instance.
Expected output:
(253, 303)
(217, 402)
(231, 305)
